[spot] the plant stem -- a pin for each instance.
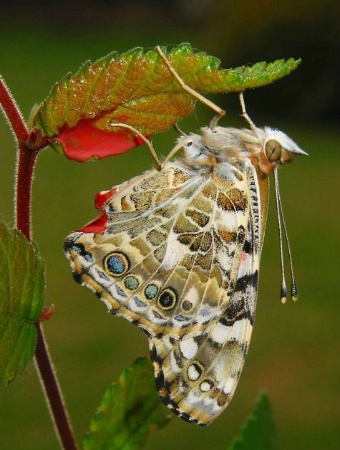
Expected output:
(45, 370)
(13, 113)
(53, 394)
(25, 171)
(24, 178)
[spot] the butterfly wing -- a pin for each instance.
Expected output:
(181, 262)
(169, 259)
(196, 376)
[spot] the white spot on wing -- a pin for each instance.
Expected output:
(174, 252)
(228, 387)
(173, 364)
(237, 329)
(205, 386)
(220, 333)
(188, 348)
(193, 373)
(192, 295)
(167, 344)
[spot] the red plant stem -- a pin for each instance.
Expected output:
(52, 392)
(13, 113)
(24, 178)
(46, 372)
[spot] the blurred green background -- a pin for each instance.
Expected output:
(294, 354)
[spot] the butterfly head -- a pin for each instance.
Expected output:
(277, 149)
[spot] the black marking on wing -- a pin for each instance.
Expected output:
(238, 307)
(70, 244)
(246, 281)
(247, 247)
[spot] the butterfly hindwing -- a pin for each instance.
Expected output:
(197, 376)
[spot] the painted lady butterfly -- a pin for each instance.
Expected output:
(176, 252)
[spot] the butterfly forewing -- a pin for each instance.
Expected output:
(169, 266)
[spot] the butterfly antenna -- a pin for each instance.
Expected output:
(280, 216)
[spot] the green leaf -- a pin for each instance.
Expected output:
(80, 115)
(259, 431)
(22, 294)
(128, 412)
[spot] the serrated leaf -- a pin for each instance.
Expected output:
(259, 431)
(81, 113)
(22, 288)
(128, 412)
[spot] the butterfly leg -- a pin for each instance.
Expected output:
(184, 141)
(179, 131)
(220, 112)
(144, 139)
(245, 114)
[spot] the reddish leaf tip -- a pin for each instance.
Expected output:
(98, 225)
(47, 313)
(103, 196)
(86, 142)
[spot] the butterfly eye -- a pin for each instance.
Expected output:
(116, 264)
(167, 299)
(272, 150)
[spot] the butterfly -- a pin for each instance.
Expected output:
(176, 252)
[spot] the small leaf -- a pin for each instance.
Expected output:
(129, 410)
(80, 115)
(259, 431)
(22, 289)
